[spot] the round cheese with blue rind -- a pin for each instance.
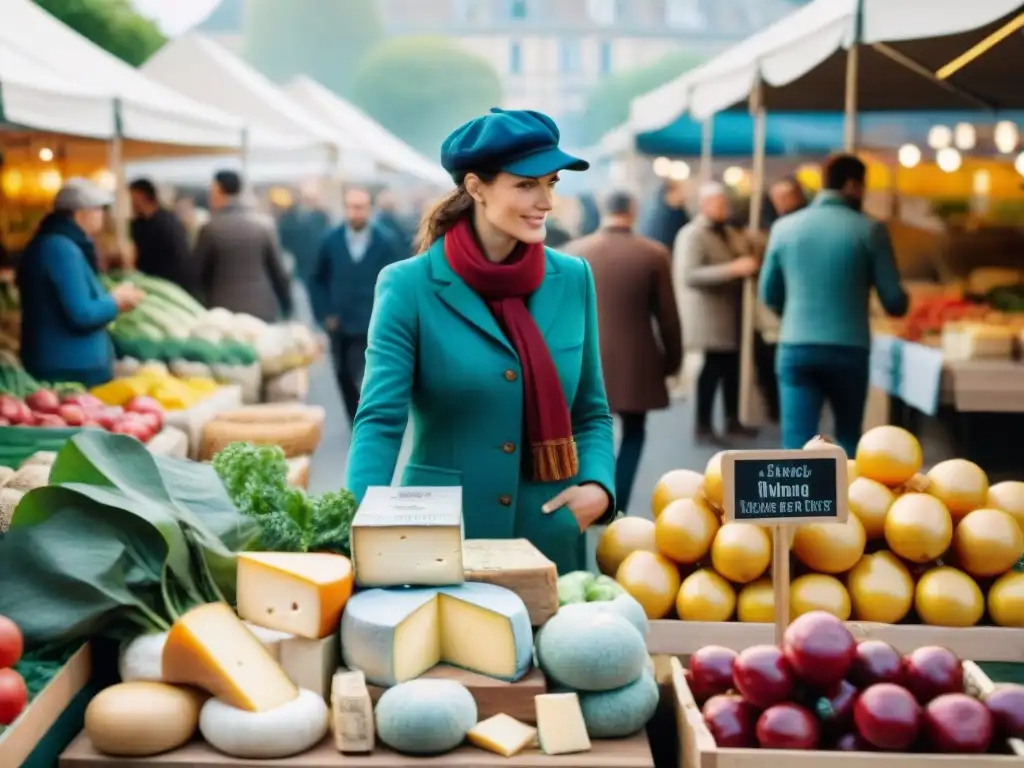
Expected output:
(591, 650)
(425, 717)
(620, 712)
(396, 634)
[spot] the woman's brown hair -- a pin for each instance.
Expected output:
(447, 212)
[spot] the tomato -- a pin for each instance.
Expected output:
(13, 696)
(11, 643)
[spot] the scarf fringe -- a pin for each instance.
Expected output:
(555, 460)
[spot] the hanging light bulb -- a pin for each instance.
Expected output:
(680, 171)
(106, 179)
(662, 167)
(940, 137)
(46, 154)
(1019, 164)
(964, 136)
(1006, 136)
(733, 176)
(948, 159)
(909, 155)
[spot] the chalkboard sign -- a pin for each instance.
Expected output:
(785, 487)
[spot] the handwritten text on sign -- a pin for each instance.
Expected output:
(785, 486)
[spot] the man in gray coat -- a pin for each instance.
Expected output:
(237, 258)
(710, 262)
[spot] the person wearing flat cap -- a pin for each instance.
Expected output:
(490, 340)
(65, 309)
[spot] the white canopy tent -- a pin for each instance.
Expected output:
(55, 79)
(382, 145)
(950, 55)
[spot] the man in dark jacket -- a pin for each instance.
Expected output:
(342, 285)
(161, 241)
(666, 215)
(237, 258)
(387, 216)
(302, 228)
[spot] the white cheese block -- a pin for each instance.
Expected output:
(408, 536)
(290, 729)
(394, 635)
(502, 735)
(310, 664)
(425, 717)
(301, 593)
(352, 713)
(561, 729)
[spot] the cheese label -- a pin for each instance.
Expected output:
(387, 507)
(352, 713)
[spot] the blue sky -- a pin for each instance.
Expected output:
(175, 16)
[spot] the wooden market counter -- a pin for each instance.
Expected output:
(634, 752)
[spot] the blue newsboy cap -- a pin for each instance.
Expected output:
(521, 142)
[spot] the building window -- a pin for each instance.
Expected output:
(517, 9)
(570, 56)
(606, 60)
(684, 14)
(515, 58)
(603, 12)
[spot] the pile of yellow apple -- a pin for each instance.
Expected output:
(939, 548)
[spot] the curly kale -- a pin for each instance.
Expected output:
(256, 479)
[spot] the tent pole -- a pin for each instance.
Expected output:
(850, 125)
(706, 171)
(752, 410)
(243, 154)
(122, 203)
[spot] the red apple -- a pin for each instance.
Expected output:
(876, 662)
(1006, 703)
(73, 415)
(788, 726)
(932, 671)
(43, 401)
(956, 723)
(888, 717)
(711, 671)
(819, 648)
(13, 696)
(762, 676)
(732, 721)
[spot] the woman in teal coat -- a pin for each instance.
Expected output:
(489, 340)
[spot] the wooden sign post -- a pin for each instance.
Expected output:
(783, 490)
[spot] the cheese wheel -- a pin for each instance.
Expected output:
(142, 719)
(588, 651)
(425, 717)
(287, 730)
(620, 712)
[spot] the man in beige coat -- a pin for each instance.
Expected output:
(710, 262)
(634, 297)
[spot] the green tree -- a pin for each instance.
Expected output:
(325, 39)
(113, 25)
(420, 88)
(607, 104)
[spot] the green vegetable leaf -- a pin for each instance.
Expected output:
(330, 526)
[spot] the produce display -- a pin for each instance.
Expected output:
(822, 690)
(939, 548)
(140, 416)
(1000, 308)
(235, 606)
(155, 382)
(13, 691)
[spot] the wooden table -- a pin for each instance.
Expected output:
(633, 752)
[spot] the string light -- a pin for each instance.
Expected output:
(948, 160)
(909, 155)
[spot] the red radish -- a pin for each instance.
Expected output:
(731, 721)
(762, 676)
(876, 662)
(835, 707)
(932, 671)
(787, 726)
(888, 717)
(144, 404)
(73, 415)
(133, 428)
(1006, 703)
(956, 723)
(107, 417)
(43, 401)
(11, 643)
(13, 696)
(152, 420)
(711, 671)
(50, 421)
(819, 648)
(85, 400)
(11, 409)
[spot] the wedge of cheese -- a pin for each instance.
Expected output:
(302, 594)
(210, 648)
(561, 729)
(394, 635)
(502, 735)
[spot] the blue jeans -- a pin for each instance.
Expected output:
(811, 375)
(634, 434)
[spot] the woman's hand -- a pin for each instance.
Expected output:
(127, 297)
(587, 502)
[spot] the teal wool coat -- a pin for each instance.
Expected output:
(436, 351)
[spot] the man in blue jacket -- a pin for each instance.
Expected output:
(819, 271)
(65, 308)
(342, 284)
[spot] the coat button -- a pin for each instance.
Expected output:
(511, 375)
(506, 500)
(509, 447)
